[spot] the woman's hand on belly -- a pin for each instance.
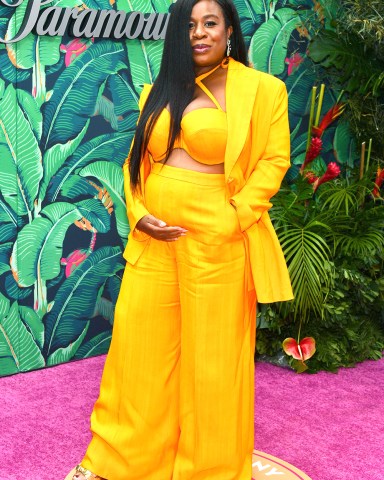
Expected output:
(159, 230)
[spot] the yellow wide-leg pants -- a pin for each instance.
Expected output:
(177, 392)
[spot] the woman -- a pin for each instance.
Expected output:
(210, 149)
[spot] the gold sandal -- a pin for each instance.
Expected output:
(86, 473)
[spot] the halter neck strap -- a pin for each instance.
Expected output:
(223, 64)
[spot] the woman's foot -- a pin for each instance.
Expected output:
(81, 473)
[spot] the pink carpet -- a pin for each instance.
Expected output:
(331, 426)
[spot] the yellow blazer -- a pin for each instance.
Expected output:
(256, 160)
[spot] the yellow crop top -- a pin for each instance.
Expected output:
(203, 134)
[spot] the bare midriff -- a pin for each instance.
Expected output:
(181, 159)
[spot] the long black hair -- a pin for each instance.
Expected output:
(175, 84)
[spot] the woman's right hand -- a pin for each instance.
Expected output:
(159, 230)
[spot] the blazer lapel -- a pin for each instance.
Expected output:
(241, 90)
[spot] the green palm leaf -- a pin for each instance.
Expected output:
(99, 345)
(76, 186)
(144, 61)
(32, 49)
(62, 355)
(8, 222)
(105, 308)
(9, 72)
(76, 298)
(345, 145)
(5, 254)
(125, 101)
(268, 48)
(38, 249)
(55, 157)
(31, 112)
(20, 154)
(111, 177)
(308, 258)
(17, 344)
(77, 90)
(112, 147)
(95, 212)
(340, 197)
(34, 324)
(145, 6)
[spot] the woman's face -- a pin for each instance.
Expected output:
(208, 35)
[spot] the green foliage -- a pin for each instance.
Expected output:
(268, 48)
(346, 316)
(67, 120)
(353, 56)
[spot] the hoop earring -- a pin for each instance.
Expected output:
(229, 47)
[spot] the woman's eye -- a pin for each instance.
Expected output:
(210, 24)
(190, 25)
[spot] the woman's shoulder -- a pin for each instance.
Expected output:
(263, 79)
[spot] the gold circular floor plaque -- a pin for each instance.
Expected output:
(265, 466)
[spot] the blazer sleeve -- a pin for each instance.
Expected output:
(135, 203)
(265, 180)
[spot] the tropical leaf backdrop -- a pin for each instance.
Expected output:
(68, 108)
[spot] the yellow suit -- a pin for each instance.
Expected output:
(256, 160)
(177, 394)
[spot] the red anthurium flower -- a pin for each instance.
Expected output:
(378, 182)
(313, 151)
(328, 118)
(333, 171)
(300, 351)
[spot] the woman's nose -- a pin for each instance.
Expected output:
(199, 31)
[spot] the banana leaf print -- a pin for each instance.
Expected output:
(104, 308)
(18, 349)
(268, 48)
(33, 52)
(68, 111)
(97, 346)
(8, 221)
(250, 17)
(124, 102)
(75, 299)
(145, 6)
(38, 249)
(144, 61)
(76, 91)
(113, 147)
(65, 354)
(5, 254)
(109, 175)
(55, 157)
(20, 154)
(95, 212)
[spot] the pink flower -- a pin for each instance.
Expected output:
(293, 62)
(74, 260)
(300, 351)
(333, 171)
(73, 49)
